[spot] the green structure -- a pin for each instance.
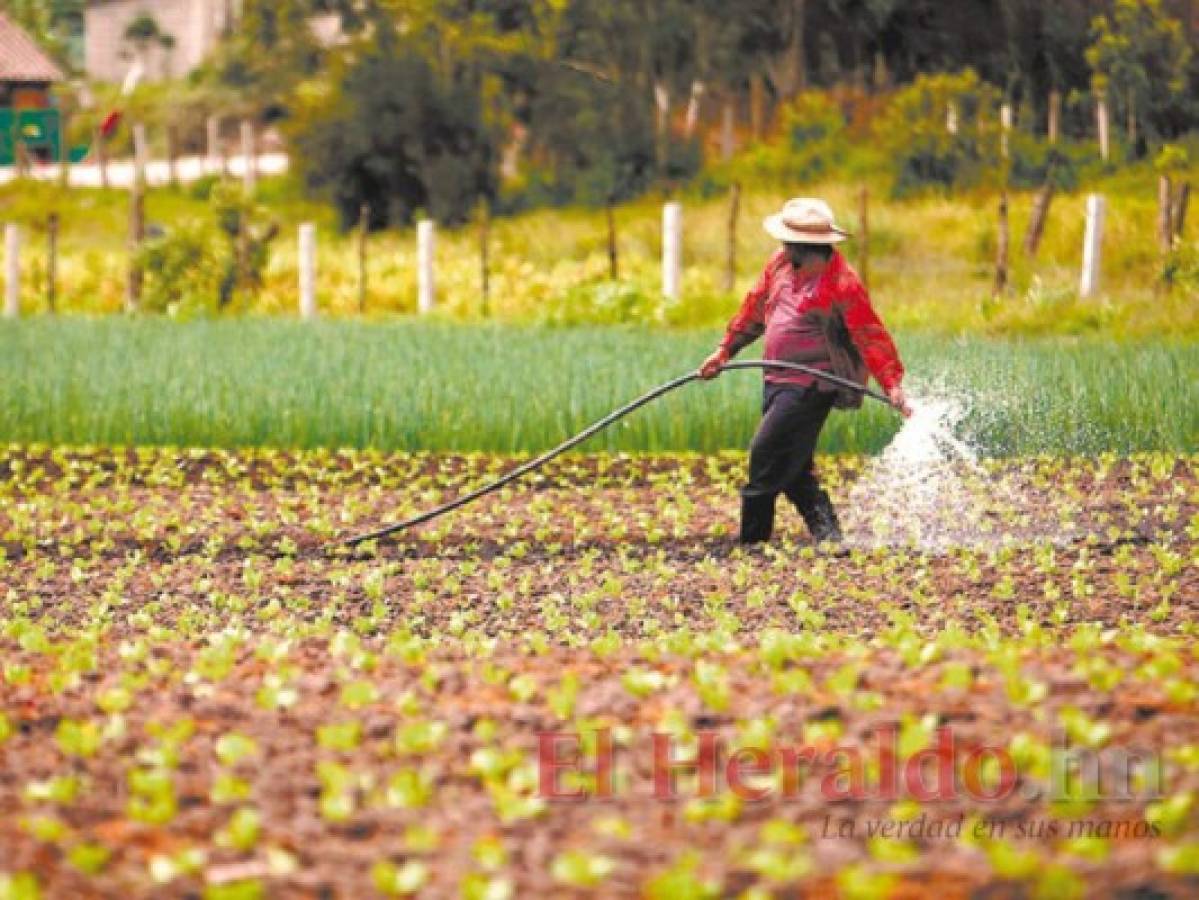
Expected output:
(39, 130)
(29, 120)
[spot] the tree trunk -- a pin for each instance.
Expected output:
(661, 122)
(1102, 126)
(757, 106)
(1132, 122)
(1165, 214)
(728, 117)
(698, 89)
(790, 71)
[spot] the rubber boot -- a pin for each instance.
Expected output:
(817, 510)
(757, 519)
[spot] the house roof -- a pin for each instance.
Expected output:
(21, 59)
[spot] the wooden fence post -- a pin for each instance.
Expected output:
(101, 143)
(141, 151)
(1092, 246)
(249, 156)
(1036, 221)
(1165, 214)
(172, 155)
(64, 152)
(730, 275)
(12, 270)
(1178, 213)
(1055, 115)
(1001, 249)
(364, 224)
(484, 255)
(307, 271)
(426, 287)
(52, 222)
(137, 219)
(212, 129)
(672, 249)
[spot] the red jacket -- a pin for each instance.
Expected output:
(839, 285)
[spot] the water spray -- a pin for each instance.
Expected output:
(538, 462)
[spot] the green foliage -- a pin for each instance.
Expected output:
(1035, 161)
(602, 303)
(253, 382)
(1139, 58)
(201, 266)
(39, 19)
(182, 270)
(1172, 158)
(815, 130)
(396, 137)
(924, 151)
(1180, 269)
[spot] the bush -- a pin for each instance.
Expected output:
(1033, 160)
(202, 267)
(182, 270)
(602, 303)
(1181, 269)
(596, 146)
(815, 129)
(397, 138)
(923, 151)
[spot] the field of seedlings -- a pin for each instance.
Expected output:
(203, 695)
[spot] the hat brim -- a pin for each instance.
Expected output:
(778, 230)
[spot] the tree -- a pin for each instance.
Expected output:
(144, 33)
(1140, 57)
(397, 137)
(35, 16)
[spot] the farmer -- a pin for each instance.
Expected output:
(813, 309)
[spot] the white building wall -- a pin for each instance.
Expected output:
(196, 26)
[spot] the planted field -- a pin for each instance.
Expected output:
(416, 386)
(200, 695)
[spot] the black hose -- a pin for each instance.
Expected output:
(603, 423)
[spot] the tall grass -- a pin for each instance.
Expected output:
(416, 386)
(931, 260)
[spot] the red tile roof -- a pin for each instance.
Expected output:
(21, 59)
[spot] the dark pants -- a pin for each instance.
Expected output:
(781, 462)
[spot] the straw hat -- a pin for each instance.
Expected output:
(805, 220)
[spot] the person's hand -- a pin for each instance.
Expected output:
(900, 401)
(713, 364)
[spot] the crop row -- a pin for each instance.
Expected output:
(413, 387)
(200, 694)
